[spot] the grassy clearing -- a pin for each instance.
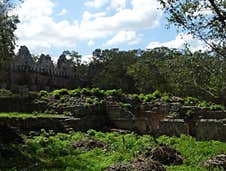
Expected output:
(56, 152)
(30, 115)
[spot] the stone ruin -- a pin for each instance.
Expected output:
(24, 73)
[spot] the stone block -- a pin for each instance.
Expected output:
(211, 129)
(173, 127)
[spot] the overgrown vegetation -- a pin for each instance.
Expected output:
(30, 115)
(150, 97)
(59, 152)
(95, 96)
(93, 102)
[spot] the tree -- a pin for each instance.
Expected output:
(109, 69)
(204, 19)
(75, 62)
(75, 58)
(147, 71)
(7, 27)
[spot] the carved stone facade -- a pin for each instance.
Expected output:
(25, 73)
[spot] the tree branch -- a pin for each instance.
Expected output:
(222, 17)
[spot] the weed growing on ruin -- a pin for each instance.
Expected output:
(142, 98)
(216, 107)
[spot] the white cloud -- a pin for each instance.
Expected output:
(118, 4)
(96, 3)
(32, 9)
(180, 42)
(143, 14)
(38, 29)
(89, 16)
(62, 12)
(114, 4)
(128, 37)
(91, 43)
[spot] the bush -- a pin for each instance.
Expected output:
(166, 98)
(134, 96)
(141, 97)
(89, 100)
(43, 93)
(126, 105)
(61, 92)
(203, 104)
(149, 98)
(191, 101)
(92, 101)
(86, 91)
(156, 94)
(114, 92)
(6, 93)
(216, 107)
(97, 92)
(75, 92)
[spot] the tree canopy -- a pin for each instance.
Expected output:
(8, 23)
(204, 19)
(198, 74)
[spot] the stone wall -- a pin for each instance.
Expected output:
(146, 118)
(204, 129)
(37, 75)
(25, 125)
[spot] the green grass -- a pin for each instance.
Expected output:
(56, 152)
(194, 152)
(30, 115)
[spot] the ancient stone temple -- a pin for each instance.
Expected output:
(63, 65)
(23, 58)
(24, 73)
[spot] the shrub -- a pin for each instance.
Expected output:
(43, 93)
(149, 98)
(203, 104)
(134, 96)
(75, 92)
(97, 92)
(89, 100)
(6, 93)
(191, 101)
(216, 107)
(86, 105)
(156, 94)
(126, 105)
(86, 91)
(141, 97)
(166, 98)
(92, 101)
(114, 92)
(61, 92)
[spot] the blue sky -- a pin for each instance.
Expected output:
(51, 26)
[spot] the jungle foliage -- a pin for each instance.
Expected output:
(180, 73)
